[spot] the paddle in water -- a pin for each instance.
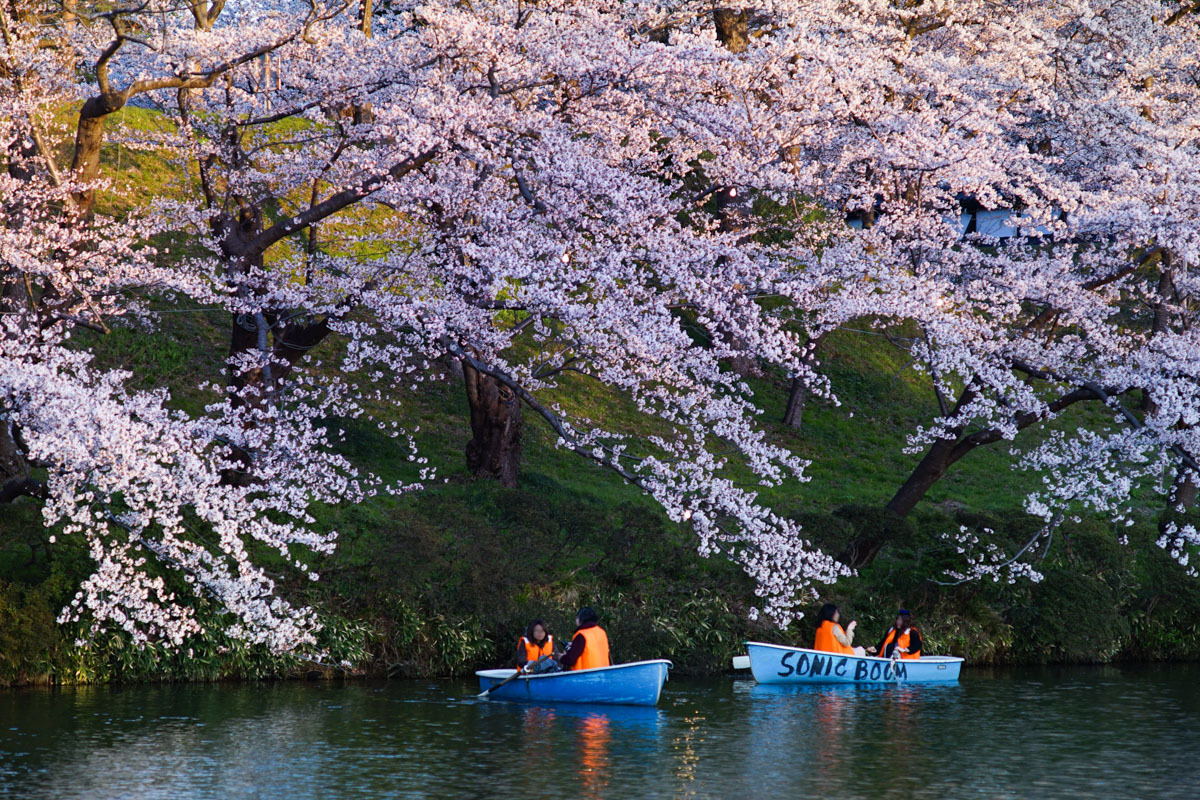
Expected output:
(520, 671)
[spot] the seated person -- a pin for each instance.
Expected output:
(831, 638)
(535, 650)
(589, 646)
(902, 638)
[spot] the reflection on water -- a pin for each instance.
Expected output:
(591, 730)
(593, 736)
(686, 757)
(1121, 732)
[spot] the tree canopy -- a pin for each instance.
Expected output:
(637, 195)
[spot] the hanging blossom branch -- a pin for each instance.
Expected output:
(987, 560)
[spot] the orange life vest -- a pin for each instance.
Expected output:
(595, 651)
(827, 642)
(533, 652)
(901, 641)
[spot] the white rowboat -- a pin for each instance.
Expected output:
(774, 663)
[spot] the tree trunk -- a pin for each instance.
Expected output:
(794, 416)
(1162, 315)
(89, 139)
(12, 464)
(495, 447)
(1183, 495)
(1181, 500)
(364, 113)
(943, 454)
(15, 478)
(866, 545)
(929, 470)
(732, 28)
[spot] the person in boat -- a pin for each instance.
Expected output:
(832, 637)
(535, 650)
(589, 645)
(902, 638)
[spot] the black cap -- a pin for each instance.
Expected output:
(588, 614)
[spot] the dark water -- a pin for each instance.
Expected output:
(1070, 732)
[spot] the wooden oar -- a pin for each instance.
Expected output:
(483, 695)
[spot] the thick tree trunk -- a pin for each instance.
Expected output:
(495, 447)
(12, 464)
(89, 139)
(1162, 316)
(1180, 502)
(1183, 495)
(364, 113)
(794, 415)
(866, 545)
(929, 470)
(731, 26)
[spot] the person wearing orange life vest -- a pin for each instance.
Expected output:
(533, 646)
(589, 646)
(901, 639)
(831, 637)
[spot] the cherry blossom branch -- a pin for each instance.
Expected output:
(981, 568)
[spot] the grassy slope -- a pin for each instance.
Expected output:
(441, 581)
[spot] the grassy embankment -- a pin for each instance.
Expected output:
(441, 582)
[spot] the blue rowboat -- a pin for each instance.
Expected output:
(774, 663)
(636, 684)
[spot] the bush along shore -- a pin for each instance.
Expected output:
(475, 573)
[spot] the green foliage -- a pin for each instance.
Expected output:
(700, 632)
(413, 643)
(1071, 617)
(30, 641)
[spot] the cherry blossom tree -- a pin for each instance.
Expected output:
(1076, 121)
(551, 194)
(514, 183)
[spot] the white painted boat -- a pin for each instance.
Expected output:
(775, 663)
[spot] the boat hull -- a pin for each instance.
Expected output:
(636, 684)
(773, 663)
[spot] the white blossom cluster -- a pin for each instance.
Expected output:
(571, 189)
(986, 559)
(1182, 543)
